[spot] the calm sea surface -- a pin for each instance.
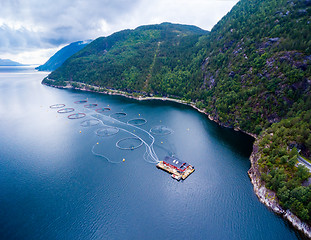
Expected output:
(53, 186)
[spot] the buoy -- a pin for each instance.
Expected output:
(138, 114)
(123, 160)
(80, 131)
(97, 143)
(161, 142)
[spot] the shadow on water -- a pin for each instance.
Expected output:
(234, 139)
(228, 136)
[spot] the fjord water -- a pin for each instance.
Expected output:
(53, 187)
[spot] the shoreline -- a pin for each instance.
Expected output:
(86, 88)
(264, 195)
(268, 197)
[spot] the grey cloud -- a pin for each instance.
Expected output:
(55, 22)
(17, 40)
(55, 41)
(46, 24)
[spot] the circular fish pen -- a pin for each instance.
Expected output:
(91, 105)
(137, 121)
(76, 116)
(129, 143)
(118, 115)
(57, 105)
(101, 110)
(90, 123)
(107, 131)
(80, 102)
(65, 110)
(161, 130)
(99, 151)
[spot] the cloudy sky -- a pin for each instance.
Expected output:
(33, 30)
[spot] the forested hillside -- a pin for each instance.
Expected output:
(258, 62)
(126, 60)
(251, 72)
(257, 77)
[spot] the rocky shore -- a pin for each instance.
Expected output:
(269, 198)
(264, 195)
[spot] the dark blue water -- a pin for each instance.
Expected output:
(53, 187)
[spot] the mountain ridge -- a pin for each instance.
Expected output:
(62, 55)
(8, 62)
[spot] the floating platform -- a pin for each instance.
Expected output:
(178, 169)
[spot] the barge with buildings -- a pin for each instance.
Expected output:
(178, 169)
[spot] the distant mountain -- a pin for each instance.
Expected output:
(62, 55)
(8, 62)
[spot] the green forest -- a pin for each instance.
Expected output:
(278, 147)
(252, 72)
